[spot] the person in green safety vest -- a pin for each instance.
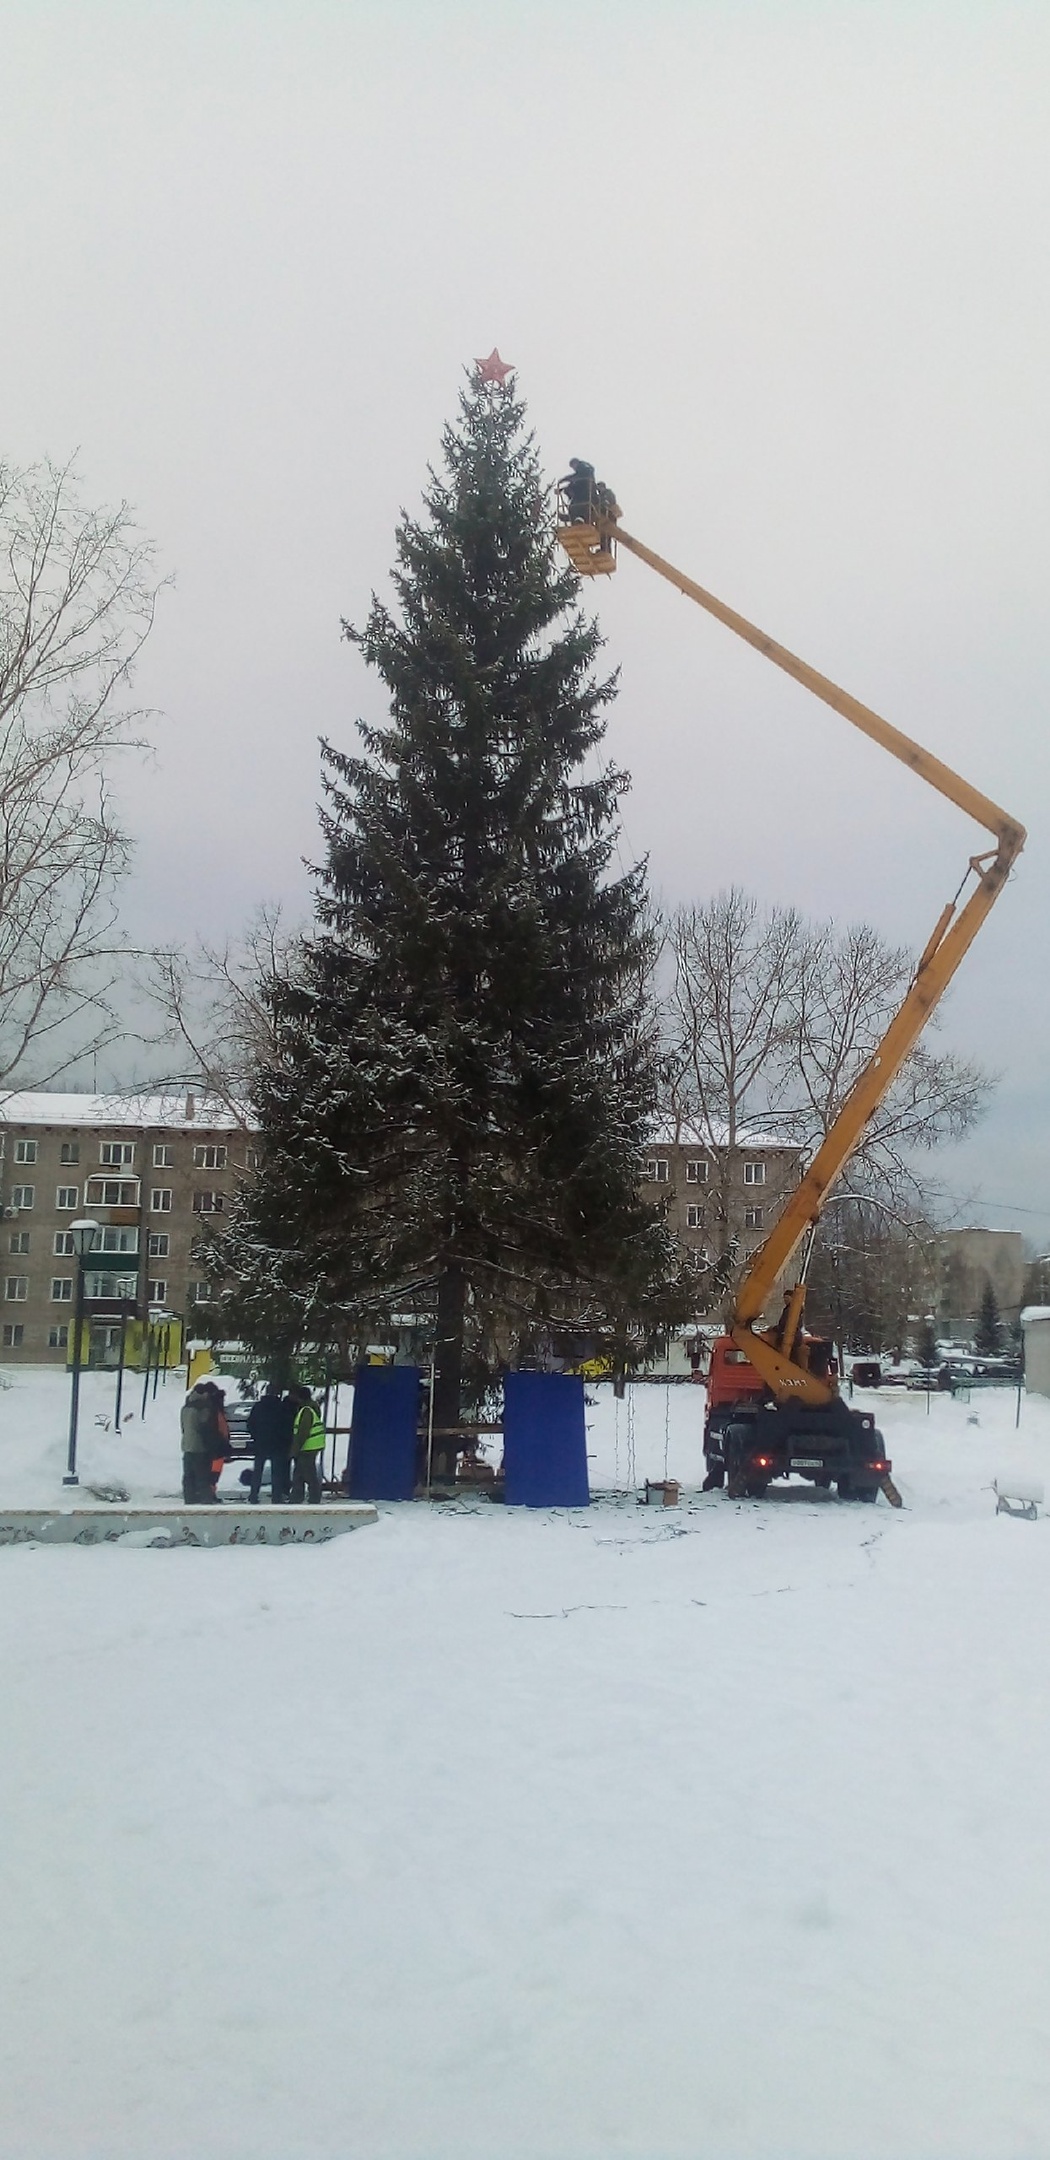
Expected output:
(307, 1447)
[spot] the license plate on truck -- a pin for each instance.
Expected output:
(807, 1462)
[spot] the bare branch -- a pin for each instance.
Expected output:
(215, 1008)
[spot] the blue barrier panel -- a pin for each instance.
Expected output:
(383, 1432)
(544, 1440)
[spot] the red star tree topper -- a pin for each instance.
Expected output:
(494, 369)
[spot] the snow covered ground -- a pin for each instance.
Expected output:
(717, 1833)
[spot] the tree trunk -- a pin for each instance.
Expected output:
(448, 1369)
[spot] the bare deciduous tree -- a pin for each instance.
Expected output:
(216, 1012)
(77, 598)
(730, 1010)
(727, 1022)
(770, 1020)
(873, 1276)
(848, 986)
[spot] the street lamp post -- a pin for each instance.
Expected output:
(84, 1232)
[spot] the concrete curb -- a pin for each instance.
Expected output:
(226, 1524)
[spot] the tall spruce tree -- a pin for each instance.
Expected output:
(464, 1074)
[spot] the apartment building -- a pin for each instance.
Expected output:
(151, 1168)
(719, 1193)
(148, 1168)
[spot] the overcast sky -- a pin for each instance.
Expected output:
(779, 270)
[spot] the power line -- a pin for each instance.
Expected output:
(1012, 1207)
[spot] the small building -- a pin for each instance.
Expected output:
(1035, 1323)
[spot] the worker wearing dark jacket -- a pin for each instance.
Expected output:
(307, 1447)
(270, 1422)
(578, 486)
(200, 1443)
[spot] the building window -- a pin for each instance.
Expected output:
(114, 1288)
(14, 1335)
(753, 1218)
(25, 1150)
(19, 1241)
(163, 1156)
(754, 1173)
(63, 1247)
(160, 1200)
(209, 1158)
(199, 1293)
(157, 1292)
(58, 1337)
(61, 1289)
(115, 1237)
(70, 1152)
(696, 1172)
(118, 1154)
(694, 1218)
(208, 1203)
(251, 1160)
(111, 1192)
(67, 1196)
(16, 1289)
(23, 1196)
(159, 1243)
(656, 1169)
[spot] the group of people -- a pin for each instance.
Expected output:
(285, 1429)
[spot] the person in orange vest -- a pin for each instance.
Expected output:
(223, 1448)
(307, 1447)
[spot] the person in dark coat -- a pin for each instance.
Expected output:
(270, 1422)
(200, 1442)
(578, 485)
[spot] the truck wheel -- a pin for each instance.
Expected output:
(845, 1489)
(757, 1488)
(870, 1493)
(733, 1444)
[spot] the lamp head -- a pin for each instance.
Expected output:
(84, 1232)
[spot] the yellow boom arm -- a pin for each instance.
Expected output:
(780, 1355)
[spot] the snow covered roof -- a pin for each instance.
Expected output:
(184, 1111)
(1034, 1312)
(669, 1133)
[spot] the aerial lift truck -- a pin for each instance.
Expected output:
(773, 1403)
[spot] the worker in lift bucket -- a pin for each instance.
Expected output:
(578, 488)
